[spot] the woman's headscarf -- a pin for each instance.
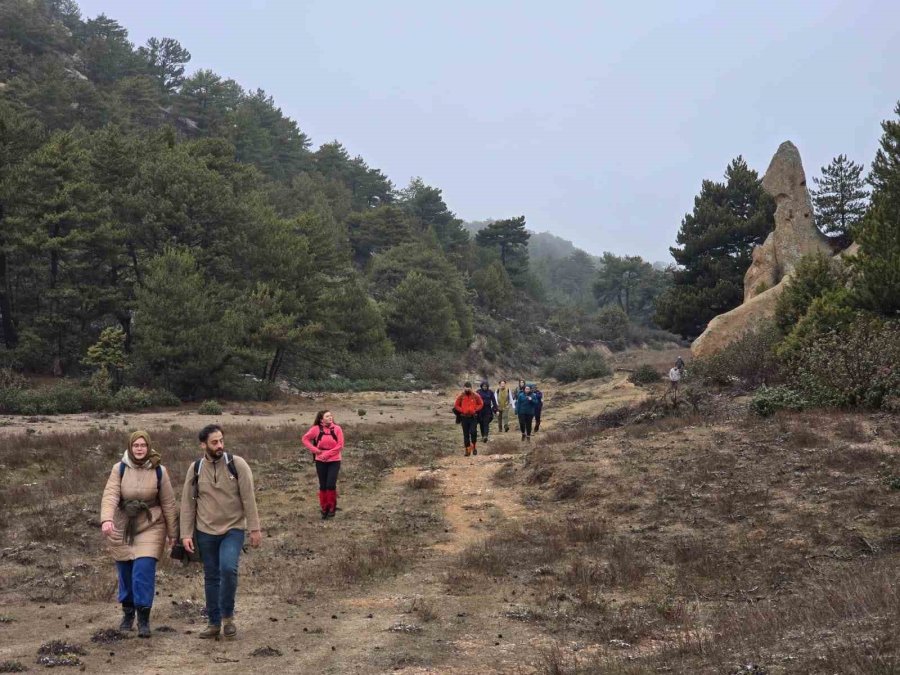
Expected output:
(153, 457)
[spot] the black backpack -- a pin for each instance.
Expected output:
(123, 466)
(323, 433)
(229, 463)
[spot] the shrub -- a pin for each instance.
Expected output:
(814, 276)
(210, 407)
(750, 360)
(10, 379)
(576, 365)
(131, 398)
(826, 313)
(769, 400)
(644, 374)
(853, 365)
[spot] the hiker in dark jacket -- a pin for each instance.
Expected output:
(525, 404)
(488, 410)
(467, 406)
(325, 440)
(538, 406)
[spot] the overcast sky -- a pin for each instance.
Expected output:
(596, 120)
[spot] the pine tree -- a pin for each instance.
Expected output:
(840, 197)
(717, 241)
(510, 238)
(876, 285)
(420, 315)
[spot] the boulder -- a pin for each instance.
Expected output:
(795, 234)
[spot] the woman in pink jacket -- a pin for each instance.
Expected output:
(325, 440)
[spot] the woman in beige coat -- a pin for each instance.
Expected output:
(138, 517)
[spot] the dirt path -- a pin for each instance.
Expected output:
(431, 617)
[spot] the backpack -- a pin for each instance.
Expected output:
(322, 433)
(229, 463)
(123, 466)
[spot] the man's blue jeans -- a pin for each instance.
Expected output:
(220, 554)
(137, 580)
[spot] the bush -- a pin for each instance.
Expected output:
(769, 400)
(814, 276)
(576, 365)
(853, 365)
(750, 360)
(644, 374)
(74, 397)
(210, 408)
(10, 379)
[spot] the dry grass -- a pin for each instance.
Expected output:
(690, 544)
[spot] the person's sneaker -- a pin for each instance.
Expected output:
(212, 632)
(324, 514)
(229, 631)
(523, 437)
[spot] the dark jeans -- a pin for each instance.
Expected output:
(525, 424)
(220, 553)
(503, 420)
(328, 473)
(484, 422)
(537, 419)
(137, 581)
(470, 430)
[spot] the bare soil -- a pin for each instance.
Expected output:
(674, 541)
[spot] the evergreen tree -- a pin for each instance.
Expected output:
(876, 285)
(716, 242)
(426, 205)
(840, 198)
(511, 239)
(166, 59)
(494, 288)
(631, 283)
(420, 317)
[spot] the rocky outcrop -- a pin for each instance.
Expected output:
(795, 236)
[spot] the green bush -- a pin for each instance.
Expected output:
(210, 408)
(769, 400)
(854, 365)
(814, 276)
(576, 365)
(10, 379)
(74, 397)
(748, 361)
(644, 374)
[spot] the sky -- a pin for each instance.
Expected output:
(597, 121)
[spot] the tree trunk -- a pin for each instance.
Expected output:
(7, 325)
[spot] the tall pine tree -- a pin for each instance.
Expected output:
(716, 242)
(840, 198)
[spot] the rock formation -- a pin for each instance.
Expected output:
(795, 236)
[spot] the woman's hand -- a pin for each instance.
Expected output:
(170, 542)
(106, 527)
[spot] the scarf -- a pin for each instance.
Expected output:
(151, 461)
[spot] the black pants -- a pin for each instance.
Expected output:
(328, 473)
(470, 430)
(500, 420)
(484, 422)
(525, 424)
(537, 419)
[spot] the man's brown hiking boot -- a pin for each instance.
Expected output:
(468, 450)
(211, 633)
(229, 632)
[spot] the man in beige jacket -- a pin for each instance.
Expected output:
(218, 506)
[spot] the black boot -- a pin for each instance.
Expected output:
(143, 617)
(127, 618)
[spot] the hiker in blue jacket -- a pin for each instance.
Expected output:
(538, 406)
(525, 404)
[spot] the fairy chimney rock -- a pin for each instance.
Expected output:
(795, 234)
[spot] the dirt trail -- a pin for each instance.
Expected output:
(431, 617)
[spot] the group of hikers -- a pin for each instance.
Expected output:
(476, 409)
(139, 518)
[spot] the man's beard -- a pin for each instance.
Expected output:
(215, 454)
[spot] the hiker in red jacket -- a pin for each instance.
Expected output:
(467, 406)
(325, 440)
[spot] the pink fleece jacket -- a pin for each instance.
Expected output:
(329, 450)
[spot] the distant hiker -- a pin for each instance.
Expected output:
(538, 406)
(505, 405)
(675, 374)
(218, 506)
(325, 440)
(467, 406)
(525, 405)
(679, 363)
(488, 409)
(138, 516)
(521, 387)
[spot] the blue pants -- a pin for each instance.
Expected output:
(220, 554)
(137, 581)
